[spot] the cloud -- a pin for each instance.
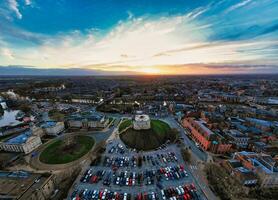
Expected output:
(197, 12)
(17, 35)
(13, 5)
(238, 5)
(139, 43)
(129, 42)
(28, 2)
(33, 71)
(7, 53)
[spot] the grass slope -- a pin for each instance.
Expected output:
(147, 139)
(126, 123)
(56, 154)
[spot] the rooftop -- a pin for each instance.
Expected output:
(142, 118)
(19, 184)
(92, 116)
(260, 121)
(49, 124)
(20, 139)
(204, 127)
(236, 133)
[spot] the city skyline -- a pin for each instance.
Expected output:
(139, 37)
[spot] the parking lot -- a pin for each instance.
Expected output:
(127, 174)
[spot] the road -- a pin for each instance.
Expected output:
(198, 158)
(195, 150)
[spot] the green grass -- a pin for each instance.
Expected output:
(160, 127)
(126, 123)
(110, 120)
(147, 139)
(55, 154)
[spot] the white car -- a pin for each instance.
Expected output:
(125, 196)
(118, 181)
(163, 195)
(104, 194)
(178, 190)
(85, 191)
(153, 196)
(181, 189)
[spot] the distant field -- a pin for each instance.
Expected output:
(146, 139)
(60, 153)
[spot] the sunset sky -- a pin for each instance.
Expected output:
(141, 36)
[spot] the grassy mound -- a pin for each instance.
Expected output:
(150, 139)
(59, 152)
(126, 123)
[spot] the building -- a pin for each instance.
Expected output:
(23, 185)
(90, 120)
(85, 101)
(208, 140)
(262, 147)
(261, 164)
(141, 122)
(263, 125)
(75, 122)
(244, 175)
(97, 121)
(238, 138)
(25, 142)
(53, 128)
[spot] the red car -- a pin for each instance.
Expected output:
(181, 167)
(100, 194)
(193, 187)
(185, 197)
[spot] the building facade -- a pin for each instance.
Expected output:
(25, 142)
(53, 128)
(88, 121)
(207, 139)
(238, 138)
(262, 164)
(141, 122)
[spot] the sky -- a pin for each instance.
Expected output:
(140, 36)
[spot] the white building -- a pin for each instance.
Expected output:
(91, 120)
(85, 101)
(53, 128)
(141, 122)
(238, 138)
(97, 122)
(75, 122)
(26, 142)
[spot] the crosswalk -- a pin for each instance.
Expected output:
(193, 167)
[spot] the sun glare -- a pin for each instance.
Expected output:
(150, 71)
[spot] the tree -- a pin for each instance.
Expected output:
(25, 108)
(186, 155)
(1, 111)
(224, 185)
(173, 135)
